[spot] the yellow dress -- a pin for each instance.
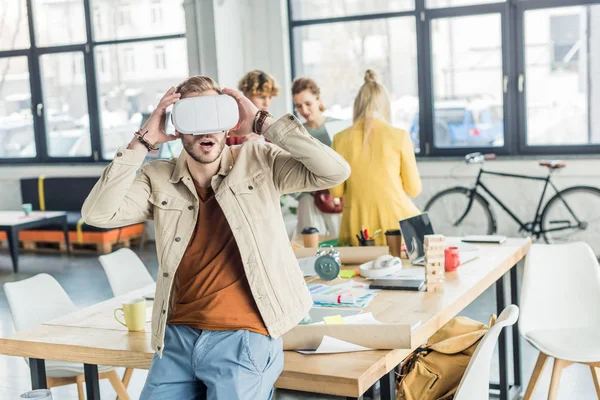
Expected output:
(384, 175)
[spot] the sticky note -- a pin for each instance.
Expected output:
(334, 319)
(348, 273)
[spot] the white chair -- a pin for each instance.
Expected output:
(125, 271)
(39, 299)
(560, 310)
(475, 383)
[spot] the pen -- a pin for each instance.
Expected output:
(366, 234)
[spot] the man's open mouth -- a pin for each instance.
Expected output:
(207, 144)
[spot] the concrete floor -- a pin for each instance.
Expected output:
(85, 281)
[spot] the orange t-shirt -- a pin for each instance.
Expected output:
(212, 291)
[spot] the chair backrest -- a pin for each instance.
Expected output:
(35, 300)
(78, 188)
(474, 384)
(561, 288)
(125, 271)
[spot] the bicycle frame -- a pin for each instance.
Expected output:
(533, 227)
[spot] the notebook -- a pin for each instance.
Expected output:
(484, 239)
(398, 284)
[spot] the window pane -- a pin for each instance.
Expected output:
(456, 3)
(14, 30)
(132, 78)
(467, 81)
(16, 121)
(122, 19)
(65, 105)
(337, 55)
(313, 9)
(59, 22)
(562, 50)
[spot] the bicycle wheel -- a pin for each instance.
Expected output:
(573, 215)
(447, 208)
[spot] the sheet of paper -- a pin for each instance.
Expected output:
(307, 265)
(331, 345)
(416, 325)
(363, 318)
(348, 294)
(334, 319)
(407, 273)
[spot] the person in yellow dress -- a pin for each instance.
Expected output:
(384, 170)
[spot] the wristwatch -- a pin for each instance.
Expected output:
(259, 120)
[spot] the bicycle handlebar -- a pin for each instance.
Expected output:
(478, 158)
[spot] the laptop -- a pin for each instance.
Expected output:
(414, 230)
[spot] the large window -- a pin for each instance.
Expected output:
(79, 88)
(138, 74)
(312, 9)
(464, 75)
(16, 120)
(344, 51)
(65, 103)
(562, 74)
(14, 30)
(467, 81)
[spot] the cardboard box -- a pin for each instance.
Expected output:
(375, 336)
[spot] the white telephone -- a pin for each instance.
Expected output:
(386, 261)
(382, 266)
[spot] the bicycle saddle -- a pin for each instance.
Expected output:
(553, 164)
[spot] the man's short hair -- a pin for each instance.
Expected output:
(197, 84)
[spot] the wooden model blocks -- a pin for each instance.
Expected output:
(434, 246)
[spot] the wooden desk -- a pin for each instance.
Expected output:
(352, 374)
(90, 336)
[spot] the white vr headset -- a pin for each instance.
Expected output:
(205, 114)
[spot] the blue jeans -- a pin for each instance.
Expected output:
(214, 365)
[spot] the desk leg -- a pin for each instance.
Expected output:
(37, 369)
(514, 298)
(388, 386)
(92, 385)
(502, 350)
(354, 398)
(13, 245)
(66, 231)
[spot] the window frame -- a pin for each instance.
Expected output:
(33, 54)
(513, 67)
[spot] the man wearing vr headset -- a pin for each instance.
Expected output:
(228, 283)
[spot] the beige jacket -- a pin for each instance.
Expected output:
(251, 179)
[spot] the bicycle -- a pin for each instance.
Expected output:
(572, 214)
